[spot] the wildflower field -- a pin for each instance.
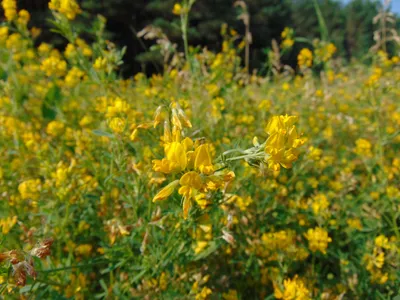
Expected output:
(202, 182)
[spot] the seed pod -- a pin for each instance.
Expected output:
(184, 118)
(175, 119)
(167, 132)
(158, 116)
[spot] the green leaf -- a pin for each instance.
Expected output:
(139, 275)
(103, 285)
(99, 132)
(50, 103)
(321, 22)
(25, 289)
(3, 75)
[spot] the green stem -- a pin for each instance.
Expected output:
(184, 27)
(256, 155)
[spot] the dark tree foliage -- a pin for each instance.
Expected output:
(359, 26)
(350, 26)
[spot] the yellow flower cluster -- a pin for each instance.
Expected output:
(320, 204)
(80, 45)
(324, 51)
(10, 9)
(100, 63)
(274, 244)
(73, 77)
(363, 148)
(69, 8)
(23, 17)
(293, 289)
(193, 159)
(30, 189)
(177, 9)
(54, 66)
(3, 34)
(55, 128)
(382, 256)
(283, 142)
(287, 38)
(305, 58)
(318, 239)
(6, 224)
(84, 153)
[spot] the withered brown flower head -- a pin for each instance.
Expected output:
(21, 270)
(42, 249)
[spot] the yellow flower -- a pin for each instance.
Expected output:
(231, 295)
(54, 66)
(287, 43)
(165, 192)
(293, 289)
(354, 223)
(100, 63)
(382, 242)
(204, 294)
(305, 58)
(35, 32)
(203, 161)
(3, 33)
(191, 180)
(318, 239)
(240, 202)
(73, 77)
(287, 32)
(55, 128)
(177, 9)
(320, 204)
(363, 148)
(44, 48)
(176, 159)
(7, 224)
(10, 9)
(282, 143)
(190, 183)
(176, 155)
(30, 189)
(68, 8)
(23, 17)
(202, 201)
(86, 121)
(117, 125)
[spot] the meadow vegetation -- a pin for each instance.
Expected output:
(205, 181)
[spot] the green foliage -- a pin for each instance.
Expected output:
(349, 26)
(50, 103)
(359, 26)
